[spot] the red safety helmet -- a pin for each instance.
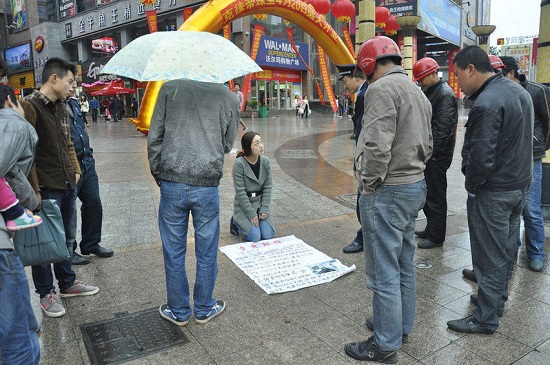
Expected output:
(423, 67)
(374, 49)
(496, 62)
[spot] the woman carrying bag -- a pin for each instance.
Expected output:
(252, 181)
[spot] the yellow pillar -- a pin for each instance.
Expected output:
(408, 25)
(365, 23)
(543, 56)
(483, 32)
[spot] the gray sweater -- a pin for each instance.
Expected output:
(193, 125)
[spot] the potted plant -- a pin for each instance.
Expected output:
(253, 104)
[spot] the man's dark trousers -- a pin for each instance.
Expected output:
(91, 211)
(435, 208)
(493, 223)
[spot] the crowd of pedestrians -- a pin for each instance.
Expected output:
(404, 135)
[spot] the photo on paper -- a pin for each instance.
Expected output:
(324, 267)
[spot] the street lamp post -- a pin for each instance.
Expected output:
(408, 24)
(483, 32)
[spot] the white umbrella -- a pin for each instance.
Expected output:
(199, 56)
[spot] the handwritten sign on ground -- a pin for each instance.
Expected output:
(284, 264)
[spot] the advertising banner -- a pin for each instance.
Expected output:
(399, 7)
(256, 38)
(453, 81)
(276, 52)
(18, 58)
(19, 12)
(325, 76)
(440, 18)
(67, 8)
(278, 75)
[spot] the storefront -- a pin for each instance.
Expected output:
(281, 79)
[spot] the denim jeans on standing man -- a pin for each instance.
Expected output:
(18, 326)
(388, 219)
(532, 216)
(177, 200)
(42, 274)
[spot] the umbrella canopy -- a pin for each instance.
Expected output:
(112, 89)
(199, 56)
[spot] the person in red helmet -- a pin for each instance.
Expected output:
(496, 62)
(393, 147)
(444, 121)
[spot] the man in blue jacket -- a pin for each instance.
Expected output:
(87, 189)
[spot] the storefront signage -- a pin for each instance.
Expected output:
(104, 45)
(23, 80)
(278, 75)
(110, 14)
(67, 8)
(440, 18)
(39, 44)
(91, 71)
(18, 58)
(399, 7)
(276, 52)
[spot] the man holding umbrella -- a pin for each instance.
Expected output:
(187, 140)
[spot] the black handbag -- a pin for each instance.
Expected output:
(45, 243)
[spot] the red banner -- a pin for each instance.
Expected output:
(290, 33)
(453, 82)
(256, 37)
(347, 40)
(227, 35)
(325, 76)
(152, 20)
(187, 13)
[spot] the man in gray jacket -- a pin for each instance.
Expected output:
(18, 326)
(194, 124)
(392, 150)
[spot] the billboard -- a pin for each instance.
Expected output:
(67, 8)
(18, 58)
(277, 52)
(399, 7)
(19, 13)
(440, 18)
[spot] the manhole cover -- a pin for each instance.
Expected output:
(422, 265)
(129, 336)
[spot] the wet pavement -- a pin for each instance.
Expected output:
(313, 199)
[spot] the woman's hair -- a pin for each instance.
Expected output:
(83, 96)
(246, 144)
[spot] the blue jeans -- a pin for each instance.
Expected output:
(177, 200)
(388, 219)
(263, 232)
(18, 340)
(42, 274)
(493, 222)
(91, 211)
(532, 216)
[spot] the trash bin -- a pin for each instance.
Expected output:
(263, 112)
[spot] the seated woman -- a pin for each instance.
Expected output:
(252, 182)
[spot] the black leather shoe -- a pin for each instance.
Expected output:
(368, 351)
(233, 228)
(468, 325)
(469, 274)
(473, 300)
(79, 260)
(421, 234)
(100, 251)
(370, 325)
(428, 244)
(353, 247)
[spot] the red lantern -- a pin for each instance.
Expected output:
(343, 10)
(382, 15)
(320, 6)
(392, 26)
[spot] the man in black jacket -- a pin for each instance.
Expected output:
(497, 162)
(532, 211)
(354, 82)
(444, 120)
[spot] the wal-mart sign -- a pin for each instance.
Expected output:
(278, 53)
